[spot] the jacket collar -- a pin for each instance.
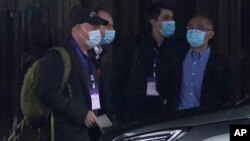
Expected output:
(76, 63)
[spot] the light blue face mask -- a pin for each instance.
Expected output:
(168, 28)
(195, 37)
(108, 37)
(94, 38)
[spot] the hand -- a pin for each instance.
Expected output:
(90, 119)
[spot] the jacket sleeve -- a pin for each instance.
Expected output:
(228, 85)
(162, 80)
(119, 78)
(167, 70)
(52, 95)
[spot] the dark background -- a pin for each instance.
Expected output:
(29, 27)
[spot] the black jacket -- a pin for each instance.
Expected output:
(217, 87)
(132, 65)
(69, 111)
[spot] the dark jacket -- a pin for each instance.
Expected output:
(69, 111)
(106, 63)
(132, 65)
(217, 86)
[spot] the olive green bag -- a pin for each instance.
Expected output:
(33, 109)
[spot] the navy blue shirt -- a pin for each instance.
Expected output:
(194, 67)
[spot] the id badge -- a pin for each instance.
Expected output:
(95, 99)
(151, 87)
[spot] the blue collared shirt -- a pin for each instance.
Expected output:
(194, 67)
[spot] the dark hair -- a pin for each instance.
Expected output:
(154, 10)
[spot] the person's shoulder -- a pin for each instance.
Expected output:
(218, 59)
(179, 41)
(177, 45)
(129, 43)
(131, 40)
(53, 55)
(216, 55)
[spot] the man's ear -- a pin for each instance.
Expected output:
(211, 34)
(153, 22)
(75, 28)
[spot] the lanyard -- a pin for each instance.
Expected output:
(156, 51)
(84, 61)
(82, 57)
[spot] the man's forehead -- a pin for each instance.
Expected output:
(198, 21)
(106, 16)
(166, 12)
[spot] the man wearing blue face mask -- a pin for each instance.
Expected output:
(106, 58)
(133, 83)
(75, 106)
(200, 77)
(107, 31)
(105, 61)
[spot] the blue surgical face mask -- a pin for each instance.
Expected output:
(108, 37)
(94, 37)
(168, 28)
(195, 37)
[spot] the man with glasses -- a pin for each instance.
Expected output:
(104, 60)
(199, 77)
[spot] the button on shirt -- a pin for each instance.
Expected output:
(194, 67)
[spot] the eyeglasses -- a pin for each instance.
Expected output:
(199, 27)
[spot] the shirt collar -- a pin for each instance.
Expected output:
(201, 55)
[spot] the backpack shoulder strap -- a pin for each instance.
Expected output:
(67, 70)
(67, 63)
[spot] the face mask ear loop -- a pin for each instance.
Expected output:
(103, 32)
(83, 28)
(81, 35)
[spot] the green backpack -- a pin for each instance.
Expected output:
(33, 109)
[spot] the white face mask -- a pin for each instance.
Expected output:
(94, 38)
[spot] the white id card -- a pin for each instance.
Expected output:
(95, 99)
(151, 87)
(103, 121)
